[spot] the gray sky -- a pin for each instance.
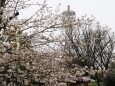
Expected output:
(103, 10)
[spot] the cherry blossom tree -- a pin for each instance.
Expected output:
(21, 63)
(18, 59)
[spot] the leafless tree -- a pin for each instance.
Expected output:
(90, 43)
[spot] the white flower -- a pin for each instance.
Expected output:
(2, 32)
(7, 44)
(10, 70)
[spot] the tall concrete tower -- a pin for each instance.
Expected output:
(68, 20)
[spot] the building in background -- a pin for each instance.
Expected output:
(68, 21)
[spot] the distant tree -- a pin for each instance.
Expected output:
(90, 43)
(87, 43)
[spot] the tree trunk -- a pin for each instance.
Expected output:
(97, 79)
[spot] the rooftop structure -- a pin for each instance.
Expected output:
(68, 18)
(69, 12)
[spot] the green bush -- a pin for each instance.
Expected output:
(110, 76)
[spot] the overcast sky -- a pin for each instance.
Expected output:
(103, 10)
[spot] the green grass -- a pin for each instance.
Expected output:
(95, 84)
